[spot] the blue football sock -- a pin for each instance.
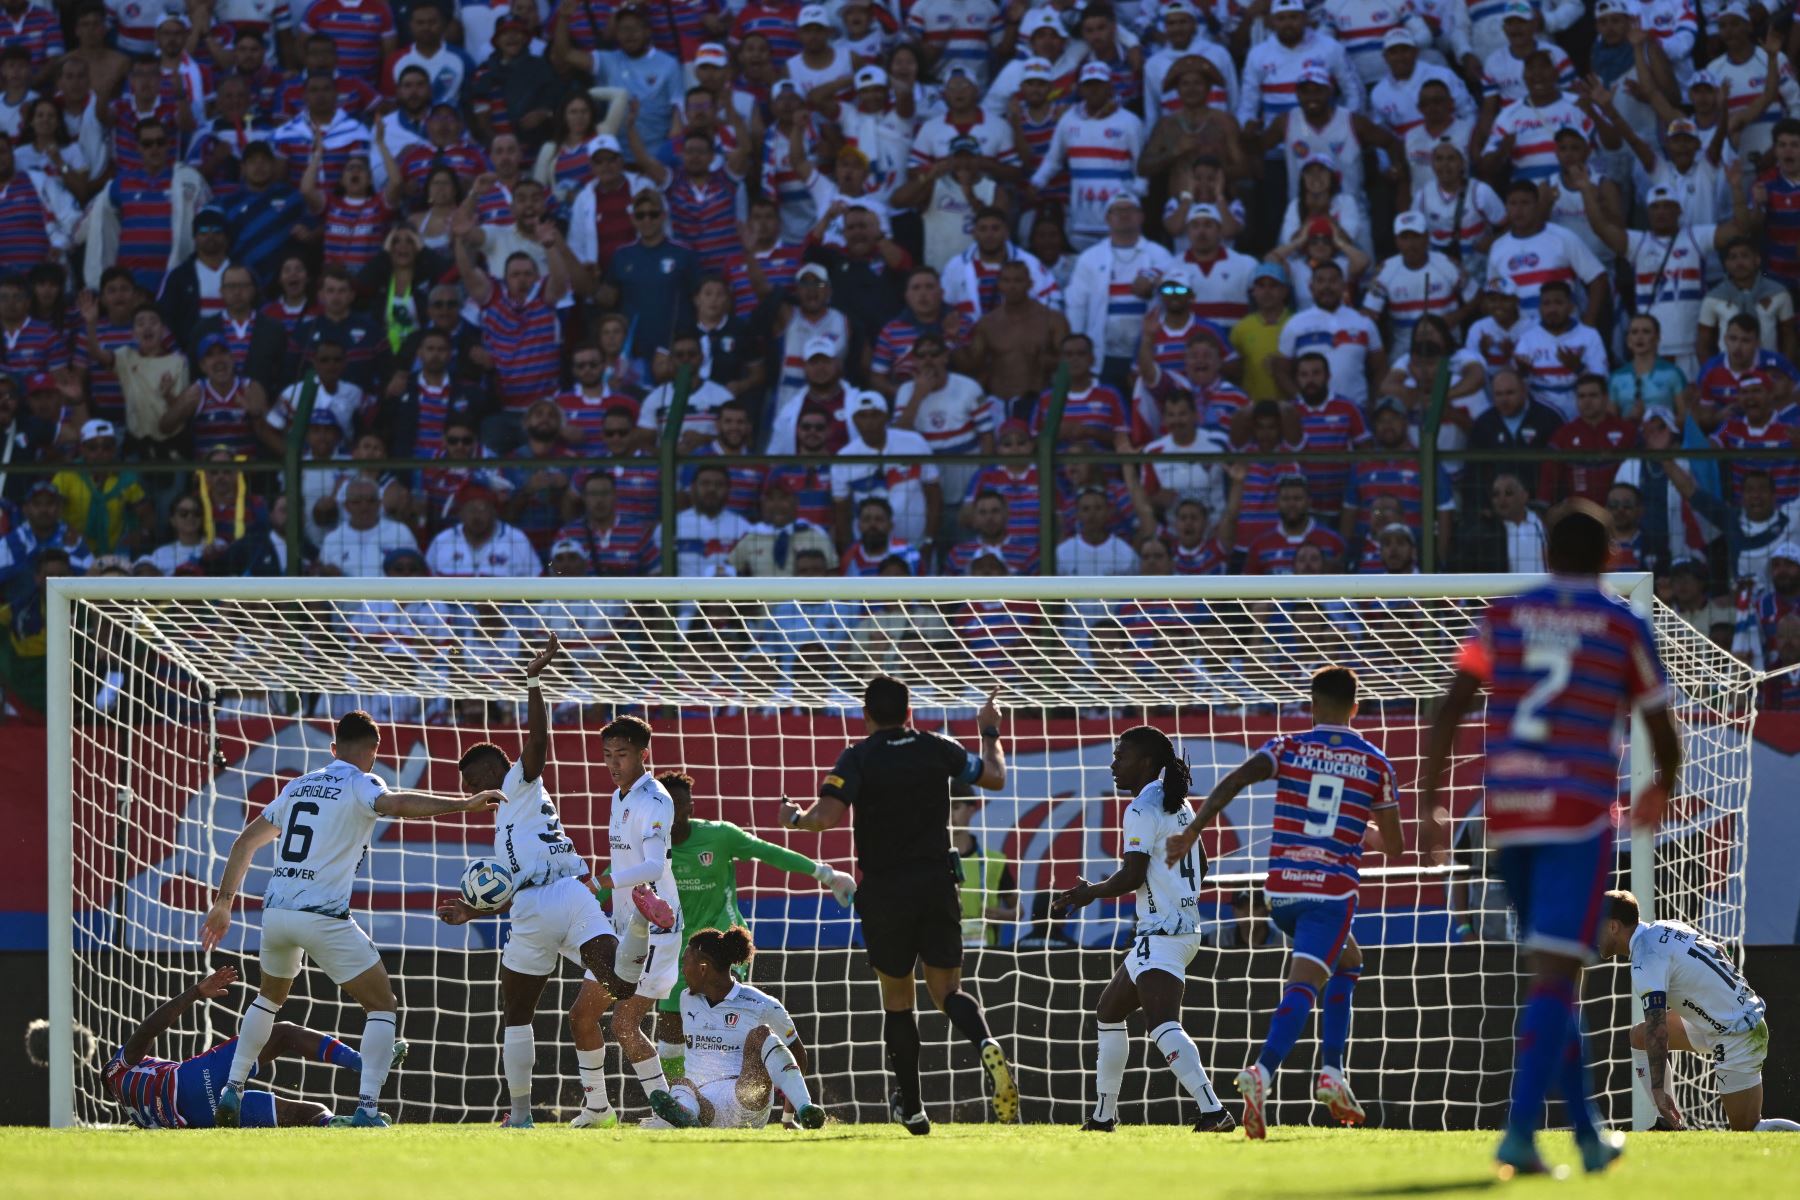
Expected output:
(1287, 1024)
(337, 1054)
(1334, 1017)
(1543, 1037)
(1572, 1080)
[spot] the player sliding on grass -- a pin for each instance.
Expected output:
(159, 1094)
(1693, 999)
(554, 914)
(742, 1045)
(1329, 782)
(1168, 921)
(705, 855)
(324, 819)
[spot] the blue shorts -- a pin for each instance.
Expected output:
(1317, 926)
(1558, 889)
(197, 1085)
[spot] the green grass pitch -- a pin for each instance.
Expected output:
(841, 1161)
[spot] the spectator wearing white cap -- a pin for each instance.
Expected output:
(1098, 141)
(793, 138)
(1362, 26)
(1181, 40)
(1487, 20)
(1503, 71)
(956, 33)
(1463, 215)
(1695, 176)
(823, 68)
(963, 116)
(1273, 67)
(1742, 72)
(867, 36)
(1394, 92)
(1417, 282)
(870, 124)
(1043, 34)
(1218, 276)
(947, 196)
(1668, 261)
(912, 490)
(806, 323)
(1109, 290)
(600, 217)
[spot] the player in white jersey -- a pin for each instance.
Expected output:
(323, 820)
(1693, 998)
(554, 911)
(640, 829)
(742, 1046)
(1154, 972)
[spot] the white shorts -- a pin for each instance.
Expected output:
(1737, 1058)
(721, 1094)
(555, 918)
(336, 945)
(648, 957)
(1171, 952)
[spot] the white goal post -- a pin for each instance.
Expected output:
(177, 707)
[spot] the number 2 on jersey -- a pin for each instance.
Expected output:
(1554, 662)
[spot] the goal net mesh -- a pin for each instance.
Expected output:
(189, 713)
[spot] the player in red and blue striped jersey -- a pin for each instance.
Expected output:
(157, 1093)
(1564, 665)
(1330, 783)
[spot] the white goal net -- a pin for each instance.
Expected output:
(180, 707)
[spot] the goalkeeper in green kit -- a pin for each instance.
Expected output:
(705, 855)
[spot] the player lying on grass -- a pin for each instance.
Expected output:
(323, 820)
(1693, 999)
(159, 1094)
(1329, 782)
(705, 855)
(1154, 973)
(742, 1045)
(553, 910)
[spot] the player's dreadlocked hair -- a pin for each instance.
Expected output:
(724, 948)
(1176, 778)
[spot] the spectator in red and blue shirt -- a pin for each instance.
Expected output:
(613, 544)
(28, 346)
(1272, 552)
(518, 316)
(37, 30)
(362, 30)
(1399, 476)
(1093, 417)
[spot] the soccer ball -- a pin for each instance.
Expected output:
(487, 884)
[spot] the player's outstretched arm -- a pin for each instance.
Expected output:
(537, 722)
(749, 846)
(1128, 878)
(826, 814)
(1251, 771)
(410, 806)
(993, 757)
(1440, 740)
(139, 1044)
(257, 834)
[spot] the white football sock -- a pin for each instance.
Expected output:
(377, 1050)
(650, 1075)
(592, 1065)
(518, 1055)
(253, 1034)
(784, 1072)
(1640, 1069)
(1183, 1058)
(1109, 1068)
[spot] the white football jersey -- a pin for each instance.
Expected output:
(325, 819)
(1168, 900)
(1695, 977)
(528, 835)
(715, 1032)
(644, 814)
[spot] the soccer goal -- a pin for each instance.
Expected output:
(179, 707)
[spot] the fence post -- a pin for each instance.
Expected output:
(1428, 468)
(293, 534)
(666, 448)
(1046, 468)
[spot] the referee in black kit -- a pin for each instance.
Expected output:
(897, 782)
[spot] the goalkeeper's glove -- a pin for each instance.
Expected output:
(841, 883)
